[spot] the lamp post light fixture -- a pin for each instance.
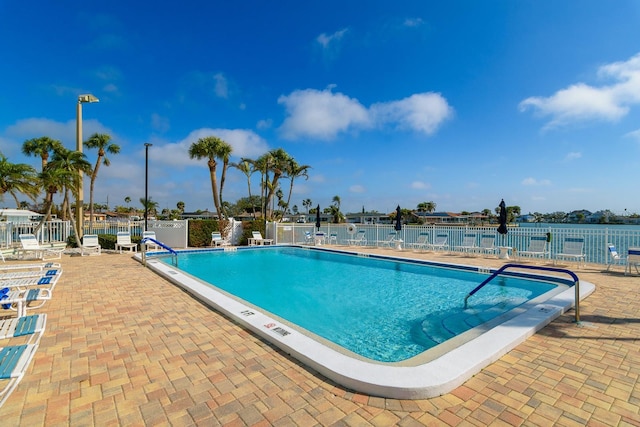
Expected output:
(146, 183)
(86, 98)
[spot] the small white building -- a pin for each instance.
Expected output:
(19, 216)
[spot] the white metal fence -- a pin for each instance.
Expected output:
(595, 245)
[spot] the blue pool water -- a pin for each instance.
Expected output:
(384, 310)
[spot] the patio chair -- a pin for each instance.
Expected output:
(332, 239)
(10, 253)
(14, 362)
(257, 239)
(217, 240)
(440, 243)
(21, 300)
(488, 244)
(389, 241)
(537, 248)
(420, 243)
(308, 238)
(319, 238)
(46, 281)
(614, 257)
(90, 245)
(633, 259)
(358, 239)
(38, 266)
(27, 273)
(123, 240)
(468, 243)
(31, 327)
(29, 245)
(572, 249)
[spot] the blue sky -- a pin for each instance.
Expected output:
(461, 103)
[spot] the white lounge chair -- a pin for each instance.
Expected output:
(614, 257)
(30, 245)
(468, 243)
(149, 244)
(537, 248)
(14, 362)
(90, 245)
(46, 281)
(39, 266)
(123, 240)
(217, 240)
(488, 244)
(389, 241)
(31, 327)
(573, 250)
(358, 239)
(257, 239)
(440, 243)
(633, 259)
(22, 274)
(421, 243)
(21, 300)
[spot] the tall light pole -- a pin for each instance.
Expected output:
(80, 199)
(146, 183)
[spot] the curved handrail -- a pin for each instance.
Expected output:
(576, 281)
(174, 254)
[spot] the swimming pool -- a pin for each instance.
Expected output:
(349, 326)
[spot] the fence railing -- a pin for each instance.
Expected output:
(595, 239)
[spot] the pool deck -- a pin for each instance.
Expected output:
(126, 347)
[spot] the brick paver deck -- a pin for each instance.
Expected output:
(125, 347)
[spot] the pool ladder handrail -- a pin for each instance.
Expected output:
(174, 254)
(576, 282)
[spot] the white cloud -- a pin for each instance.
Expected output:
(221, 87)
(422, 112)
(413, 22)
(573, 155)
(326, 40)
(535, 182)
(419, 185)
(264, 124)
(63, 131)
(634, 134)
(245, 143)
(320, 114)
(582, 102)
(357, 189)
(324, 114)
(159, 123)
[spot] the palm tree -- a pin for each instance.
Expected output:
(101, 142)
(212, 148)
(72, 162)
(307, 204)
(42, 147)
(275, 161)
(180, 206)
(247, 167)
(17, 178)
(294, 170)
(149, 206)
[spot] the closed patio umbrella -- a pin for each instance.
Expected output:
(502, 218)
(398, 224)
(318, 218)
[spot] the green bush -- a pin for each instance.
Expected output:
(200, 232)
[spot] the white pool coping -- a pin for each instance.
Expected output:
(430, 379)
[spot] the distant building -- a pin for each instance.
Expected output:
(19, 216)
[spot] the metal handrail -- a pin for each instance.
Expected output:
(576, 282)
(174, 254)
